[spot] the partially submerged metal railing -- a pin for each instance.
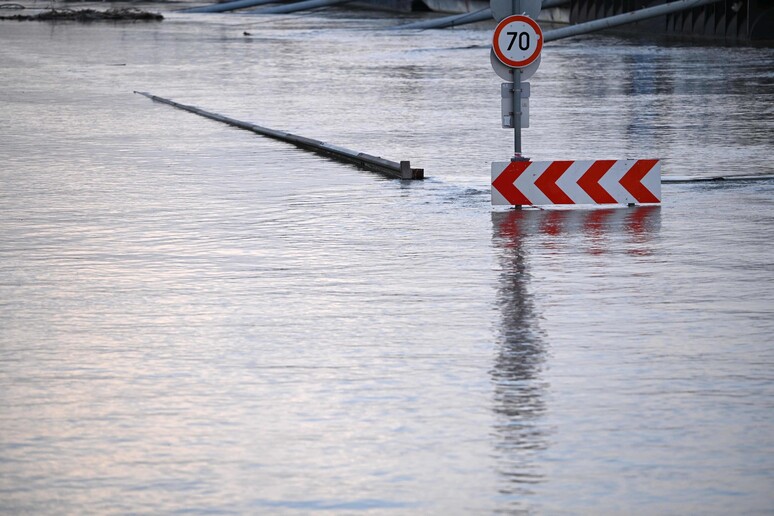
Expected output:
(397, 170)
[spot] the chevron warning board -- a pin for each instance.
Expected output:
(576, 182)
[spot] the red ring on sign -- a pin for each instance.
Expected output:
(496, 46)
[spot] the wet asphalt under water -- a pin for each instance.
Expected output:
(197, 319)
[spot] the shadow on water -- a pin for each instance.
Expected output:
(520, 390)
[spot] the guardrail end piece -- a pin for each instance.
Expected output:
(405, 170)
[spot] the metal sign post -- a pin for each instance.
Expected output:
(517, 43)
(516, 46)
(517, 156)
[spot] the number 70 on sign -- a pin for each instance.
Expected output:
(517, 41)
(523, 40)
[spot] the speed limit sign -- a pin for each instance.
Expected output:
(517, 41)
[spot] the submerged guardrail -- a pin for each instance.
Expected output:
(397, 170)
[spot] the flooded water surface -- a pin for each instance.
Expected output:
(196, 319)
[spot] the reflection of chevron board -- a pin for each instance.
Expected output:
(576, 182)
(638, 223)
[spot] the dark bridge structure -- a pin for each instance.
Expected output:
(731, 20)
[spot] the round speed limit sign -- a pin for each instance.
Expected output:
(517, 41)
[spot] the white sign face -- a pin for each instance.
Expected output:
(507, 113)
(633, 181)
(517, 41)
(506, 92)
(501, 9)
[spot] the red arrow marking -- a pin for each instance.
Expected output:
(546, 183)
(504, 182)
(632, 180)
(589, 181)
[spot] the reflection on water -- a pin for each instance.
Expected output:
(594, 231)
(197, 319)
(519, 389)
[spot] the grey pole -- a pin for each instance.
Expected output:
(516, 8)
(228, 6)
(517, 116)
(622, 19)
(298, 6)
(450, 21)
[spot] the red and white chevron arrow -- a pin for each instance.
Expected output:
(576, 182)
